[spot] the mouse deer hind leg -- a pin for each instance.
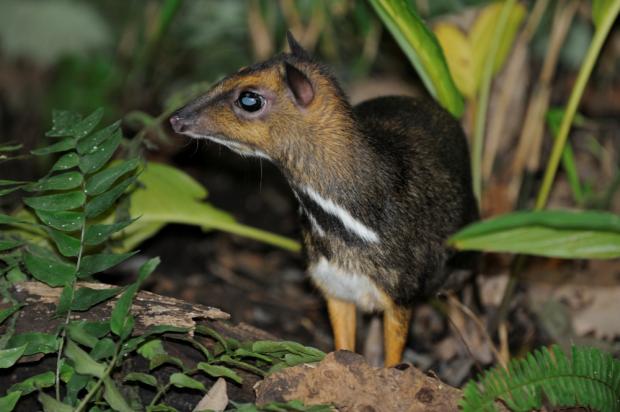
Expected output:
(395, 331)
(342, 318)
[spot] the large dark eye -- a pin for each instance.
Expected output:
(250, 101)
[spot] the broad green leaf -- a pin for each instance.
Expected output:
(114, 397)
(104, 201)
(229, 360)
(67, 245)
(5, 182)
(91, 143)
(15, 275)
(206, 331)
(85, 126)
(141, 377)
(34, 383)
(9, 190)
(181, 380)
(422, 49)
(85, 298)
(120, 314)
(65, 221)
(56, 202)
(147, 268)
(8, 357)
(466, 54)
(92, 264)
(5, 313)
(66, 371)
(217, 371)
(102, 181)
(167, 195)
(87, 333)
(52, 405)
(459, 56)
(9, 244)
(97, 328)
(159, 360)
(294, 360)
(82, 362)
(8, 402)
(8, 220)
(274, 347)
(599, 9)
(62, 122)
(563, 234)
(127, 326)
(66, 162)
(97, 234)
(161, 407)
(135, 342)
(154, 351)
(245, 353)
(75, 385)
(481, 34)
(10, 147)
(52, 272)
(151, 349)
(79, 334)
(63, 181)
(104, 349)
(66, 298)
(62, 146)
(36, 342)
(91, 162)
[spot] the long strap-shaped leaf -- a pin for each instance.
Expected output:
(422, 49)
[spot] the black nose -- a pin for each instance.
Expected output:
(179, 124)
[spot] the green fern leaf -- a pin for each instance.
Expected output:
(589, 378)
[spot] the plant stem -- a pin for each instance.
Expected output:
(160, 392)
(63, 332)
(558, 148)
(567, 120)
(84, 402)
(483, 98)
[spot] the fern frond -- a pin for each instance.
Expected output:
(590, 378)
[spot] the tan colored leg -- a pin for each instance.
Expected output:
(395, 329)
(342, 317)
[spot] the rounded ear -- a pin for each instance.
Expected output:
(299, 84)
(296, 49)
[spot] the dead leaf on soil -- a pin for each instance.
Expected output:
(216, 399)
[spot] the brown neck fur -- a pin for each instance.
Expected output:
(325, 150)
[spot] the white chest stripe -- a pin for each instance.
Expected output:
(315, 225)
(351, 223)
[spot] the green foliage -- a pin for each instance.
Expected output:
(590, 378)
(291, 406)
(167, 195)
(72, 208)
(564, 234)
(605, 13)
(421, 47)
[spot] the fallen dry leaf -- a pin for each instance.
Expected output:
(216, 399)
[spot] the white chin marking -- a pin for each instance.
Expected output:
(238, 148)
(352, 224)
